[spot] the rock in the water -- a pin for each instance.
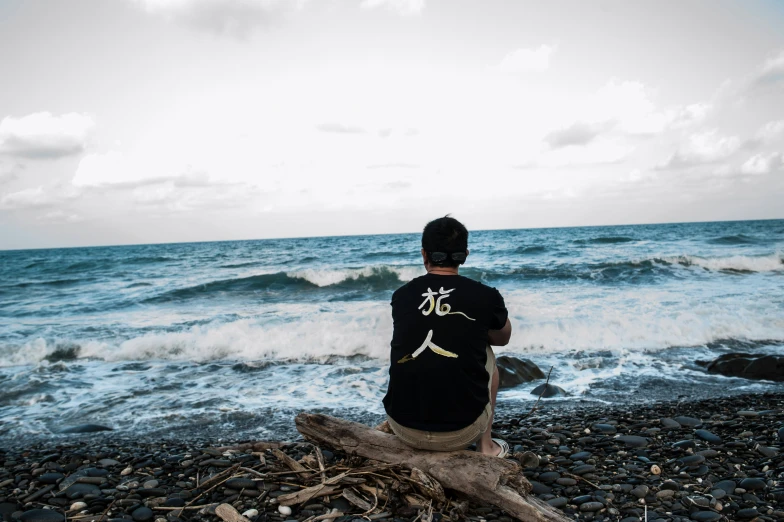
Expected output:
(755, 366)
(41, 515)
(548, 390)
(86, 428)
(514, 371)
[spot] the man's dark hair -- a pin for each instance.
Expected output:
(446, 235)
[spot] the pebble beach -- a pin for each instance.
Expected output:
(706, 460)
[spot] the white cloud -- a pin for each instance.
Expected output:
(762, 164)
(622, 108)
(340, 128)
(60, 216)
(105, 169)
(403, 7)
(37, 197)
(114, 168)
(703, 147)
(233, 17)
(770, 131)
(578, 133)
(772, 71)
(526, 60)
(688, 115)
(638, 176)
(599, 151)
(8, 171)
(43, 136)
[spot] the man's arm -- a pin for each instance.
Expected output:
(500, 337)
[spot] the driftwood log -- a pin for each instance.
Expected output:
(495, 481)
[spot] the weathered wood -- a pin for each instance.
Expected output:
(288, 461)
(229, 514)
(304, 495)
(499, 482)
(260, 445)
(320, 490)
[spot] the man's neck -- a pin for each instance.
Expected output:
(442, 270)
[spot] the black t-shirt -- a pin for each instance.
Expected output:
(437, 375)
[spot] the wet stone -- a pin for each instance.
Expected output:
(604, 428)
(705, 516)
(640, 491)
(633, 441)
(217, 463)
(558, 502)
(41, 515)
(669, 423)
(585, 468)
(591, 506)
(752, 484)
(708, 436)
(151, 492)
(142, 514)
(174, 502)
(78, 490)
(692, 460)
(240, 483)
(684, 444)
(689, 422)
(582, 455)
(50, 478)
(727, 485)
(747, 513)
(537, 488)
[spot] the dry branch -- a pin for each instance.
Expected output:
(499, 482)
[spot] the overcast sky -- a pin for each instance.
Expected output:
(138, 121)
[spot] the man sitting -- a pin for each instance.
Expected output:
(443, 380)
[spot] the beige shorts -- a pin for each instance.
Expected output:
(450, 440)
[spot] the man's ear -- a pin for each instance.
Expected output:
(424, 256)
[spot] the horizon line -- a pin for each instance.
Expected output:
(118, 245)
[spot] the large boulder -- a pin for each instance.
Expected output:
(755, 366)
(548, 390)
(514, 371)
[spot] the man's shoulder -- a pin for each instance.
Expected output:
(477, 286)
(406, 287)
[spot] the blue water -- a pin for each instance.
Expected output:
(235, 337)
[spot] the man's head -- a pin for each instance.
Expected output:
(448, 236)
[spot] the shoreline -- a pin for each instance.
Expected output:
(594, 462)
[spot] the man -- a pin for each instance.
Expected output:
(443, 380)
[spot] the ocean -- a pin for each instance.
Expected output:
(232, 339)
